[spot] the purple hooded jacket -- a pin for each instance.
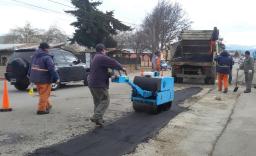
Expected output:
(99, 77)
(42, 68)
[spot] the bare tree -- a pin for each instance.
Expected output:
(124, 39)
(54, 35)
(132, 39)
(163, 25)
(25, 34)
(28, 34)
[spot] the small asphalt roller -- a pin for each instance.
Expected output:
(152, 93)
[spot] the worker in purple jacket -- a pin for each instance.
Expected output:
(98, 82)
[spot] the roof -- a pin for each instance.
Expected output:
(196, 34)
(9, 46)
(26, 46)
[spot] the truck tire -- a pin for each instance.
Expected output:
(209, 80)
(20, 67)
(179, 80)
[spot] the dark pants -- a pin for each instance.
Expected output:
(101, 102)
(230, 77)
(248, 80)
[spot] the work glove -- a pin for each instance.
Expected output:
(250, 71)
(124, 70)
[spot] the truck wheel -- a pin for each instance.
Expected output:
(22, 86)
(209, 80)
(179, 80)
(212, 81)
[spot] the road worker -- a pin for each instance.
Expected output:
(98, 82)
(223, 65)
(248, 67)
(42, 74)
(156, 61)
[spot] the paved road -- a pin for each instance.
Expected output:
(239, 137)
(120, 137)
(23, 131)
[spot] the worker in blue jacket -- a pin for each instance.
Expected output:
(223, 64)
(98, 82)
(43, 73)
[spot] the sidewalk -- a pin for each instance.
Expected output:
(195, 131)
(239, 137)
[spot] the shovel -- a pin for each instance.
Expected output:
(236, 87)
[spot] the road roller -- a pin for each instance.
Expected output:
(151, 93)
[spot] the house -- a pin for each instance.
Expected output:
(5, 52)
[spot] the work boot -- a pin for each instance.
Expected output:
(42, 112)
(98, 122)
(247, 91)
(93, 119)
(225, 91)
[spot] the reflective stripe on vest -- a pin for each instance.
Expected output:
(225, 66)
(39, 69)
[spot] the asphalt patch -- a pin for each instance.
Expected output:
(120, 137)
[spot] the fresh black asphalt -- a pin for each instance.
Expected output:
(120, 137)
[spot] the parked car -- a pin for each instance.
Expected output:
(164, 65)
(70, 68)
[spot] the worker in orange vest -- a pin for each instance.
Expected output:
(156, 61)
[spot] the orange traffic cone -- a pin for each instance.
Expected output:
(141, 72)
(6, 103)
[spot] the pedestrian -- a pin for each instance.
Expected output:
(98, 82)
(214, 38)
(231, 68)
(248, 67)
(42, 73)
(223, 63)
(156, 61)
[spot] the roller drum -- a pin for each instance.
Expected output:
(148, 83)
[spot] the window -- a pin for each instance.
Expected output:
(70, 58)
(58, 58)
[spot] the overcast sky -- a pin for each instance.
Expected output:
(234, 18)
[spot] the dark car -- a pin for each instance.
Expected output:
(70, 68)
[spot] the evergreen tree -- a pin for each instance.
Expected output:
(94, 26)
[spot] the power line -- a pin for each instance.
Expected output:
(58, 12)
(39, 7)
(61, 4)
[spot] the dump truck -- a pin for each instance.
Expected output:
(194, 56)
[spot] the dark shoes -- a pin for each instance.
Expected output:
(225, 91)
(98, 122)
(247, 91)
(43, 112)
